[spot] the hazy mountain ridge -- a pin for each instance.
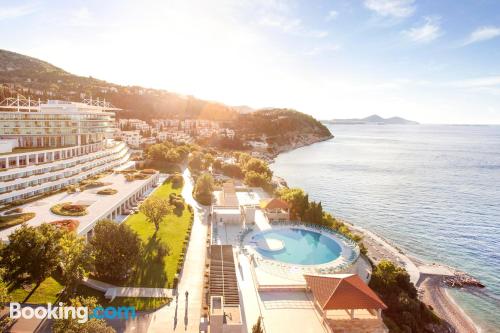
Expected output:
(374, 119)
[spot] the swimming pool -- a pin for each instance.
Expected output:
(298, 246)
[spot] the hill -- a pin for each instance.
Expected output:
(30, 77)
(284, 129)
(375, 119)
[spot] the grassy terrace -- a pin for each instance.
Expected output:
(173, 230)
(150, 271)
(8, 221)
(47, 292)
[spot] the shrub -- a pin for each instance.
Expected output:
(69, 209)
(141, 176)
(176, 180)
(18, 210)
(163, 250)
(107, 191)
(67, 224)
(203, 189)
(393, 285)
(92, 184)
(177, 201)
(14, 219)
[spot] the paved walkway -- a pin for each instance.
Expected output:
(183, 313)
(112, 293)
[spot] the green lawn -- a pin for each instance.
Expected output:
(47, 292)
(173, 230)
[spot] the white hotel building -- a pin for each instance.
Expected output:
(44, 147)
(48, 146)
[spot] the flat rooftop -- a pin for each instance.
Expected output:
(98, 204)
(244, 196)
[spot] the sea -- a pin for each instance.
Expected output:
(433, 190)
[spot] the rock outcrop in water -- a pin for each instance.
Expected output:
(461, 280)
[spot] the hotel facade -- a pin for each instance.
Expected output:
(45, 147)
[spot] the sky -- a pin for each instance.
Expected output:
(430, 61)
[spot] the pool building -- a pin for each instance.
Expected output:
(283, 264)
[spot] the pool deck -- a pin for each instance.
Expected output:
(282, 311)
(284, 304)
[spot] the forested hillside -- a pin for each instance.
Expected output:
(30, 77)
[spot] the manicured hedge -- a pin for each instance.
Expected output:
(15, 219)
(107, 191)
(69, 209)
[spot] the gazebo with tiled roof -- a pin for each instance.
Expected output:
(346, 303)
(275, 209)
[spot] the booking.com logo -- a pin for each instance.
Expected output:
(80, 313)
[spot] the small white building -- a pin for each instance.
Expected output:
(131, 138)
(260, 145)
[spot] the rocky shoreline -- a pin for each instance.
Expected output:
(298, 142)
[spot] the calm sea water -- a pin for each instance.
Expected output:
(432, 189)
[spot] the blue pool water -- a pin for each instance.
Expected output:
(302, 247)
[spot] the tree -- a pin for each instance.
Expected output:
(208, 159)
(156, 152)
(253, 178)
(72, 325)
(155, 209)
(76, 259)
(33, 253)
(116, 250)
(257, 328)
(297, 199)
(195, 162)
(203, 189)
(314, 213)
(405, 312)
(217, 165)
(176, 180)
(232, 170)
(259, 166)
(5, 298)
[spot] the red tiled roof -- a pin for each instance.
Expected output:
(343, 292)
(274, 203)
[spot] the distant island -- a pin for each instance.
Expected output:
(373, 119)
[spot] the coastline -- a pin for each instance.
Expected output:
(302, 142)
(430, 287)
